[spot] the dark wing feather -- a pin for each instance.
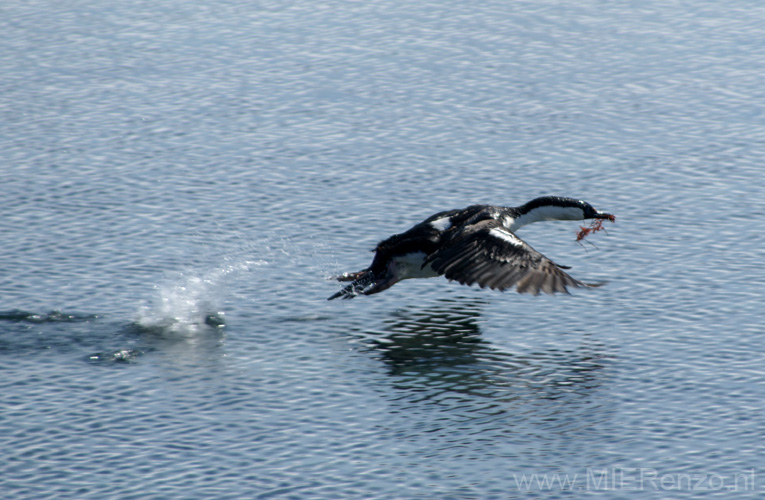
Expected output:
(488, 254)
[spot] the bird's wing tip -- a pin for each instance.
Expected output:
(596, 284)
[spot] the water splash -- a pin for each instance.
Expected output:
(191, 301)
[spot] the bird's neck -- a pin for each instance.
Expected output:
(515, 221)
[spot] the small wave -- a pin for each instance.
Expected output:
(119, 356)
(21, 316)
(306, 318)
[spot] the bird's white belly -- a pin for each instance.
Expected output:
(410, 266)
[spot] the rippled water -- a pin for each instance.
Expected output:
(179, 179)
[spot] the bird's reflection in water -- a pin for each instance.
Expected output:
(439, 354)
(447, 335)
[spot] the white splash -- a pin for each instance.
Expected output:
(190, 301)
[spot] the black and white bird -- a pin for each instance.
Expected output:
(476, 244)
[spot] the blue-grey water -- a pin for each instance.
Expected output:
(179, 178)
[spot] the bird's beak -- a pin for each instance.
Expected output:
(604, 215)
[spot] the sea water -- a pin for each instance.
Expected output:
(179, 180)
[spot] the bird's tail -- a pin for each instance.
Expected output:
(360, 281)
(364, 283)
(350, 276)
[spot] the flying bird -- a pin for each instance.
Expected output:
(476, 244)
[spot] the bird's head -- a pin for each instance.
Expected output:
(560, 208)
(589, 212)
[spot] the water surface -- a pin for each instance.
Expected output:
(179, 179)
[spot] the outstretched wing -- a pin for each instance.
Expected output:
(488, 254)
